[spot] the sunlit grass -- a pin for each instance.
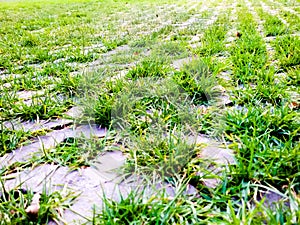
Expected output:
(56, 55)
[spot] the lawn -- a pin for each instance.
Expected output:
(150, 112)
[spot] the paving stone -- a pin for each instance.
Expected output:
(36, 125)
(219, 159)
(178, 64)
(48, 141)
(216, 158)
(88, 183)
(75, 112)
(5, 76)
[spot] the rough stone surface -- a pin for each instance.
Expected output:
(48, 141)
(36, 125)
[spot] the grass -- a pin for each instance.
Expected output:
(150, 102)
(273, 26)
(248, 57)
(102, 108)
(213, 38)
(13, 205)
(172, 50)
(277, 94)
(11, 139)
(293, 77)
(287, 51)
(48, 49)
(50, 105)
(148, 68)
(248, 54)
(197, 80)
(77, 152)
(163, 210)
(291, 19)
(266, 135)
(154, 152)
(134, 209)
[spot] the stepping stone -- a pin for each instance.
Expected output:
(216, 159)
(48, 141)
(89, 183)
(35, 126)
(178, 64)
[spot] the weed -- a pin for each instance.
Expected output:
(11, 139)
(149, 68)
(50, 105)
(75, 152)
(197, 80)
(287, 51)
(213, 38)
(274, 26)
(171, 49)
(13, 205)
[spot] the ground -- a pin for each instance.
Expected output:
(149, 112)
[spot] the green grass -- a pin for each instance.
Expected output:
(197, 80)
(105, 102)
(153, 152)
(248, 57)
(292, 20)
(213, 38)
(248, 54)
(149, 68)
(172, 50)
(276, 94)
(13, 205)
(211, 207)
(43, 107)
(155, 210)
(273, 26)
(293, 77)
(76, 152)
(150, 108)
(11, 139)
(287, 51)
